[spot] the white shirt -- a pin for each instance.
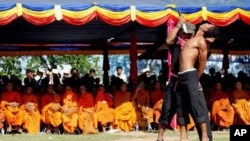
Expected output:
(123, 77)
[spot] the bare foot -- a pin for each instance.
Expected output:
(20, 130)
(48, 131)
(184, 140)
(55, 129)
(9, 129)
(205, 139)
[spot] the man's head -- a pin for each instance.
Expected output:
(29, 73)
(210, 31)
(74, 72)
(119, 70)
(92, 72)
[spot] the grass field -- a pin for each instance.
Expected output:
(121, 136)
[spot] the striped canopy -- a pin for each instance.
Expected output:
(119, 12)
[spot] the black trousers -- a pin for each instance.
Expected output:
(169, 103)
(190, 100)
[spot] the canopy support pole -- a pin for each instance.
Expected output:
(133, 58)
(105, 66)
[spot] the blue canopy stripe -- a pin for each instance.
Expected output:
(38, 7)
(114, 7)
(4, 7)
(78, 7)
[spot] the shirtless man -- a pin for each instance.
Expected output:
(169, 100)
(192, 60)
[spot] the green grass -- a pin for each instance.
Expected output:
(131, 136)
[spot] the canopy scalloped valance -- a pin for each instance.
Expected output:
(151, 16)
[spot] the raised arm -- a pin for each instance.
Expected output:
(173, 34)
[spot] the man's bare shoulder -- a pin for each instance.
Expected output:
(201, 42)
(195, 42)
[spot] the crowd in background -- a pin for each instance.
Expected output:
(64, 104)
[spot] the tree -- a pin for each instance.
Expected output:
(11, 66)
(82, 62)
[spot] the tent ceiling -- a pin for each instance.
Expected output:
(21, 35)
(20, 31)
(93, 33)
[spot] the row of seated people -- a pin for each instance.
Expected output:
(121, 110)
(229, 107)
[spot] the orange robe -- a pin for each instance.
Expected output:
(31, 113)
(51, 109)
(109, 98)
(125, 115)
(143, 110)
(157, 101)
(175, 125)
(157, 110)
(104, 113)
(2, 118)
(222, 111)
(241, 105)
(13, 114)
(87, 120)
(70, 111)
(156, 95)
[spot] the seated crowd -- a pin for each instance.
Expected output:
(82, 104)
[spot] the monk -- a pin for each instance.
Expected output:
(157, 101)
(241, 104)
(31, 111)
(110, 99)
(222, 113)
(2, 118)
(87, 120)
(10, 104)
(69, 110)
(125, 115)
(141, 99)
(105, 114)
(51, 113)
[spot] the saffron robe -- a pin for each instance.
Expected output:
(31, 113)
(13, 114)
(125, 115)
(87, 120)
(105, 114)
(143, 110)
(70, 111)
(51, 109)
(241, 105)
(157, 101)
(222, 113)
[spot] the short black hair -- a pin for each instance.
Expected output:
(92, 70)
(29, 70)
(119, 67)
(212, 32)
